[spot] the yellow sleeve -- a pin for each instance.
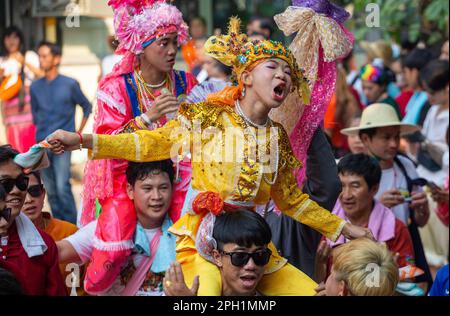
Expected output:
(293, 202)
(143, 145)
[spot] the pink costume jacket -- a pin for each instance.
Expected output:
(105, 180)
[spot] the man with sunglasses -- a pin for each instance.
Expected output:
(34, 203)
(241, 253)
(28, 253)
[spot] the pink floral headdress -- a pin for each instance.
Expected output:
(140, 21)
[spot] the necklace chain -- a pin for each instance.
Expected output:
(250, 122)
(246, 118)
(159, 85)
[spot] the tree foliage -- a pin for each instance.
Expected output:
(421, 19)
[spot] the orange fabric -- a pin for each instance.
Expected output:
(337, 139)
(189, 54)
(10, 92)
(329, 122)
(208, 202)
(59, 230)
(230, 94)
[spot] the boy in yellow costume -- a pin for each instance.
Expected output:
(230, 137)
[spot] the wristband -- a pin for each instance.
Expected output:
(147, 120)
(81, 140)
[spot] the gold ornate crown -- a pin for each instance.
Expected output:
(236, 50)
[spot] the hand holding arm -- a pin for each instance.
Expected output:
(174, 284)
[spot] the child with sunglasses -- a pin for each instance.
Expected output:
(32, 208)
(241, 253)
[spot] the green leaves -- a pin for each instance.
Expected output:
(425, 19)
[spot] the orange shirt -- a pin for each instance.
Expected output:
(337, 139)
(59, 229)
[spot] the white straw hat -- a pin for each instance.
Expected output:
(380, 115)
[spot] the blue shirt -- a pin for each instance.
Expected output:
(440, 285)
(53, 105)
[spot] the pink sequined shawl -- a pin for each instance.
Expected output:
(319, 43)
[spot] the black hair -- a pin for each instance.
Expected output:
(361, 165)
(417, 58)
(141, 170)
(7, 153)
(227, 70)
(406, 43)
(265, 24)
(371, 132)
(2, 193)
(55, 49)
(242, 227)
(8, 32)
(37, 175)
(435, 75)
(9, 284)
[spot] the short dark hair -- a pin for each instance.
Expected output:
(435, 75)
(417, 58)
(265, 24)
(242, 227)
(141, 170)
(9, 284)
(371, 132)
(55, 49)
(361, 165)
(37, 175)
(226, 70)
(8, 32)
(7, 153)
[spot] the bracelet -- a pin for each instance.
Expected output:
(147, 120)
(81, 140)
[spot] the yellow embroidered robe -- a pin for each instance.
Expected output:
(226, 166)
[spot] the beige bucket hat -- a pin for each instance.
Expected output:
(380, 115)
(379, 49)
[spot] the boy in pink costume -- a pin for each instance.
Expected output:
(148, 33)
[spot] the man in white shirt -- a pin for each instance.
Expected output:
(400, 186)
(150, 188)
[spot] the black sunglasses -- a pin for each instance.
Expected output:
(239, 259)
(35, 190)
(21, 182)
(6, 213)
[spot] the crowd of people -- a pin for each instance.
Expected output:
(263, 170)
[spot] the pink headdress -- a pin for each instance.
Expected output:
(139, 21)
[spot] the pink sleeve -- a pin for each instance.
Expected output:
(113, 108)
(112, 115)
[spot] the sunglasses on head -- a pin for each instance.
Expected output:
(239, 259)
(6, 213)
(35, 190)
(21, 182)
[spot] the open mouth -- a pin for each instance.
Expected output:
(29, 209)
(14, 202)
(348, 204)
(248, 281)
(156, 207)
(278, 92)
